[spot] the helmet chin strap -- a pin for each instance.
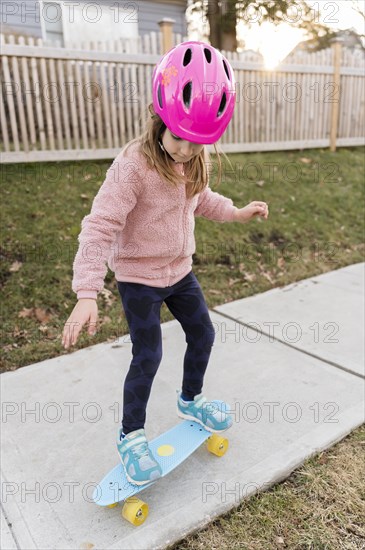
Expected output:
(164, 150)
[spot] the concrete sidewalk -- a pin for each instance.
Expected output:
(291, 364)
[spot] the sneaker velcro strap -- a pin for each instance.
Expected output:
(200, 402)
(133, 442)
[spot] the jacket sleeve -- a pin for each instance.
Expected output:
(116, 197)
(214, 206)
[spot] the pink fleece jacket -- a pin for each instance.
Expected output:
(141, 226)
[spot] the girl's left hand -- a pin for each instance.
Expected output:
(252, 210)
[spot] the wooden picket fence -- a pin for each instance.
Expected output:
(62, 103)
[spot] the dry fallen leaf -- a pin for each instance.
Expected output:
(267, 276)
(26, 312)
(8, 347)
(37, 313)
(20, 333)
(260, 183)
(15, 266)
(305, 160)
(42, 315)
(232, 282)
(249, 276)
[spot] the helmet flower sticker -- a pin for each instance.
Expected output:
(167, 74)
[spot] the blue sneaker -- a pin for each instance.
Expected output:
(139, 463)
(210, 414)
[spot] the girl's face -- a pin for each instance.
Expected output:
(180, 149)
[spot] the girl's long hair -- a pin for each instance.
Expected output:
(196, 169)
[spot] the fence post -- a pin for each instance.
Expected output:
(166, 25)
(336, 46)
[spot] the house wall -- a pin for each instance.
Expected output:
(14, 19)
(152, 12)
(24, 17)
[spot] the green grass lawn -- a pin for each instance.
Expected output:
(316, 224)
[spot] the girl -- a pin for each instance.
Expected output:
(145, 211)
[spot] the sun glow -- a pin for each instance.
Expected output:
(274, 43)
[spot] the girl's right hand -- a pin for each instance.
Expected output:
(85, 311)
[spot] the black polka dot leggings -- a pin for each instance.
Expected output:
(142, 304)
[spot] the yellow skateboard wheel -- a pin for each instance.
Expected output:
(217, 445)
(135, 510)
(112, 505)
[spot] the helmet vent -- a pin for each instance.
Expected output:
(222, 104)
(159, 96)
(208, 55)
(226, 69)
(187, 57)
(187, 94)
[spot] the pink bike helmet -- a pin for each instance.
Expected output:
(193, 90)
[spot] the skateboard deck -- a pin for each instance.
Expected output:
(170, 449)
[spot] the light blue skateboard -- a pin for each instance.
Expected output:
(170, 449)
